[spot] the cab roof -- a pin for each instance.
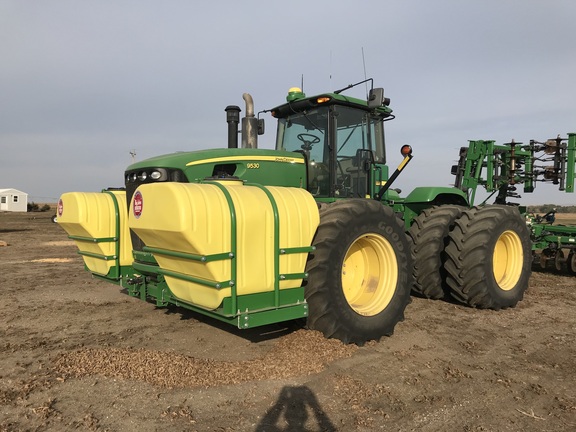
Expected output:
(297, 101)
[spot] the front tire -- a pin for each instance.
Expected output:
(359, 276)
(489, 256)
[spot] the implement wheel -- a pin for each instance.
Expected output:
(359, 276)
(488, 258)
(429, 234)
(559, 260)
(571, 263)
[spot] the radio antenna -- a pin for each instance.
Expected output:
(365, 77)
(330, 73)
(302, 82)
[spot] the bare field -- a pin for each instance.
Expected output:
(78, 354)
(566, 218)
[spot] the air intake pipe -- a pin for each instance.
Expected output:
(233, 118)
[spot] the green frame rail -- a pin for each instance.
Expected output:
(571, 162)
(563, 236)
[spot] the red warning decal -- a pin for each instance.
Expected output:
(137, 204)
(60, 207)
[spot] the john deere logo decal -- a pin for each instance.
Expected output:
(137, 204)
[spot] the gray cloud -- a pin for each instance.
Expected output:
(83, 83)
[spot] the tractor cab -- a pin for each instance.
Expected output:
(341, 138)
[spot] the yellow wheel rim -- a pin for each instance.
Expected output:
(508, 260)
(369, 274)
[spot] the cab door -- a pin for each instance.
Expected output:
(354, 133)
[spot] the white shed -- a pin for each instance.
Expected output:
(13, 200)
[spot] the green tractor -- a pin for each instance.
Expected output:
(312, 229)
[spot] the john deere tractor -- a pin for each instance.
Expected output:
(313, 229)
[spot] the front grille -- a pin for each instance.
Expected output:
(133, 180)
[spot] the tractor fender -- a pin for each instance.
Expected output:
(436, 195)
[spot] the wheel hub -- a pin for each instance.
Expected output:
(369, 274)
(507, 260)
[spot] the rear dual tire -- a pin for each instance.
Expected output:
(430, 234)
(488, 257)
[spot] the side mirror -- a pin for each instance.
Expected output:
(375, 98)
(261, 127)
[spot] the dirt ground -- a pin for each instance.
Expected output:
(78, 354)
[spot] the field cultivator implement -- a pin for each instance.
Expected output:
(554, 245)
(502, 169)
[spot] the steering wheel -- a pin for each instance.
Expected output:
(308, 140)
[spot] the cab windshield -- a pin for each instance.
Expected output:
(305, 133)
(337, 141)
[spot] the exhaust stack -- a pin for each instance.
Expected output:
(249, 124)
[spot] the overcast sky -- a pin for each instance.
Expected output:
(82, 83)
